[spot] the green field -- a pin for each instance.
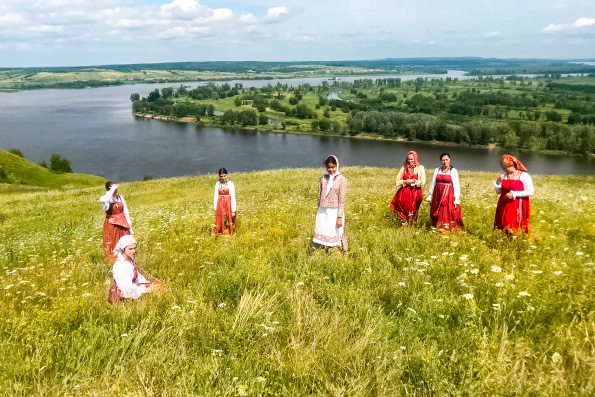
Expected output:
(408, 311)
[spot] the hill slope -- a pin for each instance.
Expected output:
(20, 171)
(407, 312)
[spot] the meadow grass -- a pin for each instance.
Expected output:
(407, 311)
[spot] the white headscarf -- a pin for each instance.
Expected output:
(331, 179)
(124, 242)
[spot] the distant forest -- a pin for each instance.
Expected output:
(527, 113)
(474, 65)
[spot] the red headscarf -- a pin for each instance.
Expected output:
(511, 160)
(408, 167)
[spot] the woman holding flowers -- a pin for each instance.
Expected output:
(225, 206)
(444, 197)
(329, 230)
(128, 282)
(117, 220)
(514, 186)
(410, 180)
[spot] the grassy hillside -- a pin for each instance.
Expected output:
(407, 311)
(20, 171)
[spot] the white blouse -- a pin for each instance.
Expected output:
(524, 177)
(232, 193)
(108, 198)
(454, 175)
(123, 275)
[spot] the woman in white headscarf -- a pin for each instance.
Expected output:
(128, 282)
(330, 225)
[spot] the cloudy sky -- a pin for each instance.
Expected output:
(99, 32)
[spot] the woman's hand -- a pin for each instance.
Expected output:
(339, 222)
(499, 180)
(509, 195)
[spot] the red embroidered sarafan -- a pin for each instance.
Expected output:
(112, 232)
(407, 200)
(225, 223)
(443, 212)
(512, 214)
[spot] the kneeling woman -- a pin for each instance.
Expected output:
(225, 205)
(444, 197)
(330, 226)
(128, 282)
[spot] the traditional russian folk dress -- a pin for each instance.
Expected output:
(331, 204)
(116, 224)
(445, 193)
(513, 214)
(225, 205)
(128, 282)
(408, 198)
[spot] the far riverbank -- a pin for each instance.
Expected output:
(362, 136)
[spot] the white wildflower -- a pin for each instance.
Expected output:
(509, 277)
(468, 296)
(499, 285)
(524, 293)
(496, 269)
(222, 304)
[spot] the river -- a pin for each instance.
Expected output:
(95, 130)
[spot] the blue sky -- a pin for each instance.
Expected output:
(94, 32)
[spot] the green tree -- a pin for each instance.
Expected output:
(134, 97)
(59, 164)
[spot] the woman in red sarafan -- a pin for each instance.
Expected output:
(514, 186)
(444, 197)
(225, 206)
(410, 180)
(117, 220)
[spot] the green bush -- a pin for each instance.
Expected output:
(16, 151)
(59, 164)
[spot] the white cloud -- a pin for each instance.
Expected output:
(275, 13)
(552, 27)
(11, 18)
(222, 14)
(248, 18)
(45, 29)
(582, 22)
(494, 34)
(129, 23)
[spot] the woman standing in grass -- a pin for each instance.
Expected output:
(128, 282)
(514, 186)
(225, 206)
(410, 180)
(444, 197)
(117, 220)
(330, 226)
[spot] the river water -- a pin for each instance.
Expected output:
(95, 130)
